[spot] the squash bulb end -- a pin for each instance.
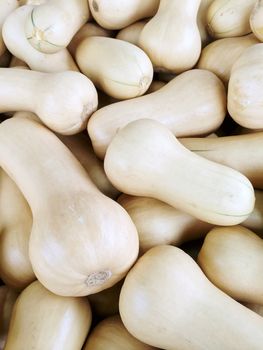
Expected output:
(98, 278)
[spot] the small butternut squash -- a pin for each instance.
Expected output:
(245, 102)
(172, 38)
(193, 103)
(111, 334)
(120, 69)
(132, 32)
(220, 55)
(6, 7)
(232, 259)
(15, 40)
(50, 27)
(42, 320)
(166, 301)
(81, 241)
(117, 15)
(50, 93)
(145, 159)
(202, 22)
(256, 19)
(229, 18)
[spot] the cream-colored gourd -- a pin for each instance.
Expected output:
(120, 69)
(245, 100)
(132, 32)
(172, 38)
(229, 18)
(145, 159)
(16, 223)
(43, 320)
(241, 152)
(117, 14)
(256, 19)
(87, 30)
(159, 223)
(81, 241)
(6, 7)
(220, 55)
(232, 259)
(166, 301)
(202, 21)
(50, 27)
(193, 103)
(15, 40)
(111, 334)
(17, 86)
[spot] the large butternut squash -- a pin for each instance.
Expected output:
(81, 241)
(193, 103)
(256, 18)
(166, 301)
(145, 159)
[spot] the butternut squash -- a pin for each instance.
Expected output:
(193, 314)
(43, 320)
(145, 159)
(256, 19)
(15, 227)
(241, 152)
(116, 15)
(172, 38)
(244, 89)
(202, 21)
(232, 259)
(193, 103)
(229, 18)
(220, 55)
(50, 27)
(6, 7)
(81, 241)
(15, 40)
(120, 69)
(111, 334)
(132, 32)
(50, 93)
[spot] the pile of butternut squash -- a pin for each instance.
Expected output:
(131, 174)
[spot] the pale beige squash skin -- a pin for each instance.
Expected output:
(229, 18)
(193, 103)
(220, 55)
(172, 38)
(81, 241)
(256, 20)
(232, 259)
(241, 152)
(15, 40)
(43, 320)
(193, 314)
(120, 69)
(245, 101)
(117, 14)
(132, 32)
(137, 165)
(6, 7)
(50, 93)
(50, 27)
(15, 227)
(202, 21)
(111, 334)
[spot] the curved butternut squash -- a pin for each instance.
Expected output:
(81, 241)
(16, 223)
(50, 27)
(229, 18)
(132, 32)
(220, 55)
(256, 19)
(116, 15)
(193, 103)
(241, 152)
(244, 89)
(136, 164)
(6, 7)
(43, 320)
(111, 334)
(166, 301)
(232, 259)
(171, 38)
(15, 40)
(120, 69)
(202, 21)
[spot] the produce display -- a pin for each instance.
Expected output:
(131, 176)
